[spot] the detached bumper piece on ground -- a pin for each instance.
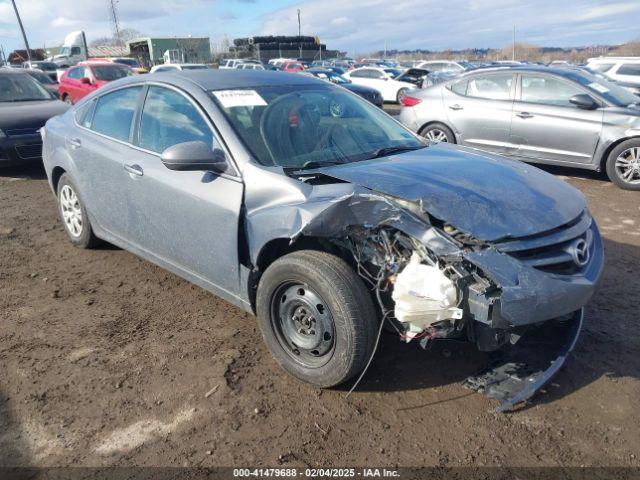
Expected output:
(515, 375)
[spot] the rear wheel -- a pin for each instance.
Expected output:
(67, 99)
(74, 215)
(316, 317)
(437, 132)
(623, 165)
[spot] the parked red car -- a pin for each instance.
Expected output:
(292, 67)
(86, 77)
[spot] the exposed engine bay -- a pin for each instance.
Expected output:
(442, 268)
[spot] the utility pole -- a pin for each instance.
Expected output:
(24, 35)
(113, 14)
(513, 55)
(299, 34)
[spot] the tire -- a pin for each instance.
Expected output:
(67, 99)
(338, 321)
(437, 132)
(623, 165)
(74, 215)
(401, 94)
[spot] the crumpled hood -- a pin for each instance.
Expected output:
(20, 115)
(489, 197)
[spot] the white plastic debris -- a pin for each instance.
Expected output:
(423, 295)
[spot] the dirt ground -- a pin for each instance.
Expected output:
(107, 359)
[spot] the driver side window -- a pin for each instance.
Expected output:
(169, 118)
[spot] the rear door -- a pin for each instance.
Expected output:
(103, 142)
(479, 107)
(546, 127)
(186, 220)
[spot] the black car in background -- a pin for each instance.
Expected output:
(45, 80)
(25, 106)
(368, 93)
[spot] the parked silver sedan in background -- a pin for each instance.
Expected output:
(546, 115)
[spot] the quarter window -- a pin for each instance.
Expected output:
(460, 87)
(114, 113)
(493, 87)
(85, 114)
(629, 69)
(547, 90)
(169, 118)
(602, 67)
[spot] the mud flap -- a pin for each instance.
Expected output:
(515, 375)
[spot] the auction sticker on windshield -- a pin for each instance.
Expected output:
(239, 98)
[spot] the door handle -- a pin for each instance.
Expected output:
(456, 107)
(75, 143)
(134, 169)
(524, 115)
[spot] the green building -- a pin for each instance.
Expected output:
(154, 50)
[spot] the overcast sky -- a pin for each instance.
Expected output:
(351, 25)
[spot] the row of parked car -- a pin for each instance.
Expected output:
(566, 115)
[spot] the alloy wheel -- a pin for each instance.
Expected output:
(71, 211)
(628, 166)
(303, 324)
(436, 135)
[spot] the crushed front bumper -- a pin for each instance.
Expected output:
(515, 374)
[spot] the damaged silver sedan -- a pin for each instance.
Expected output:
(302, 203)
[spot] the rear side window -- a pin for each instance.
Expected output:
(493, 87)
(629, 69)
(114, 113)
(168, 118)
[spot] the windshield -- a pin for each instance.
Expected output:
(21, 88)
(392, 72)
(42, 77)
(331, 77)
(109, 73)
(194, 67)
(297, 127)
(466, 65)
(44, 65)
(132, 62)
(620, 97)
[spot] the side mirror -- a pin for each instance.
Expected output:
(584, 101)
(194, 156)
(85, 80)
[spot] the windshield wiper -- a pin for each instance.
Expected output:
(317, 164)
(383, 152)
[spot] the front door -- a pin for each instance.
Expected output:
(186, 220)
(546, 127)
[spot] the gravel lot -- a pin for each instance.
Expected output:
(107, 359)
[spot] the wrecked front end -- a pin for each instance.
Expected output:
(520, 298)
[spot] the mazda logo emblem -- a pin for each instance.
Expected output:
(579, 251)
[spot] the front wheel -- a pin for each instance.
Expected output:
(623, 165)
(316, 317)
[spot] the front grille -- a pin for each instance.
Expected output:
(19, 132)
(565, 251)
(26, 152)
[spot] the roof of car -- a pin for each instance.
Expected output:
(560, 70)
(228, 79)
